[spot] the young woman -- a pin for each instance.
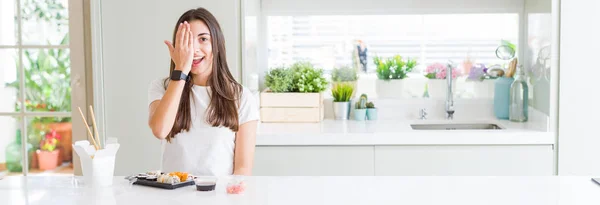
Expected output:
(207, 118)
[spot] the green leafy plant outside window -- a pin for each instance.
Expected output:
(47, 71)
(47, 82)
(394, 67)
(344, 74)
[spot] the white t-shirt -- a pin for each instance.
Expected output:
(203, 150)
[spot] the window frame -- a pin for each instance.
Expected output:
(77, 49)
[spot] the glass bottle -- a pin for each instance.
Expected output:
(14, 158)
(519, 94)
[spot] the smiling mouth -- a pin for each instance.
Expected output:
(198, 60)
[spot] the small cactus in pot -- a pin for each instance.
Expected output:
(371, 111)
(360, 111)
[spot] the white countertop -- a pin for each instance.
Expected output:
(399, 132)
(315, 190)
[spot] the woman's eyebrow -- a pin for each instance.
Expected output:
(201, 34)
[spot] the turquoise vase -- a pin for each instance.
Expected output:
(372, 113)
(360, 114)
(502, 97)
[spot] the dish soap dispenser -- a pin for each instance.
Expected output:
(519, 95)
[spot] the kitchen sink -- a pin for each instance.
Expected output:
(457, 126)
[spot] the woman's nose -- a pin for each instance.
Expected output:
(196, 47)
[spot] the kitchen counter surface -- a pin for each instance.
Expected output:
(399, 132)
(315, 190)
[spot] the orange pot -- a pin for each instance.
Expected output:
(47, 160)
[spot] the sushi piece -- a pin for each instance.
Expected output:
(155, 173)
(141, 176)
(174, 180)
(167, 179)
(183, 176)
(162, 178)
(151, 178)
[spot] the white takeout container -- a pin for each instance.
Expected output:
(98, 166)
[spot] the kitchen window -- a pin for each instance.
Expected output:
(328, 41)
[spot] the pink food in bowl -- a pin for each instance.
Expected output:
(236, 188)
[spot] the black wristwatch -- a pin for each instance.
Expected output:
(178, 75)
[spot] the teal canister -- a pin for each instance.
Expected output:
(502, 97)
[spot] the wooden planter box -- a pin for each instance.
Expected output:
(291, 107)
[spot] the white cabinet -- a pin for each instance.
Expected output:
(313, 161)
(496, 160)
(404, 160)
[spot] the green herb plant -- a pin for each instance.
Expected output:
(279, 80)
(342, 92)
(307, 78)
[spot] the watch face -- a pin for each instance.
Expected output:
(178, 75)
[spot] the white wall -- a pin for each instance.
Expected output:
(134, 54)
(579, 137)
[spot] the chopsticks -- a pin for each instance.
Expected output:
(94, 124)
(88, 127)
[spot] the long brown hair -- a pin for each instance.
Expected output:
(224, 92)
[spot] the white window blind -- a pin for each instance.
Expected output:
(376, 7)
(328, 41)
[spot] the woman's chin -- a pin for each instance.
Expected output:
(198, 70)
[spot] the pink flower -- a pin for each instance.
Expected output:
(439, 70)
(441, 74)
(434, 68)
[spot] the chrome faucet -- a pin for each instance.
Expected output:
(423, 114)
(449, 95)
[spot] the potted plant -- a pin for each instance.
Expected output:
(47, 154)
(482, 81)
(344, 74)
(342, 93)
(437, 86)
(390, 73)
(293, 94)
(48, 89)
(371, 111)
(279, 80)
(360, 109)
